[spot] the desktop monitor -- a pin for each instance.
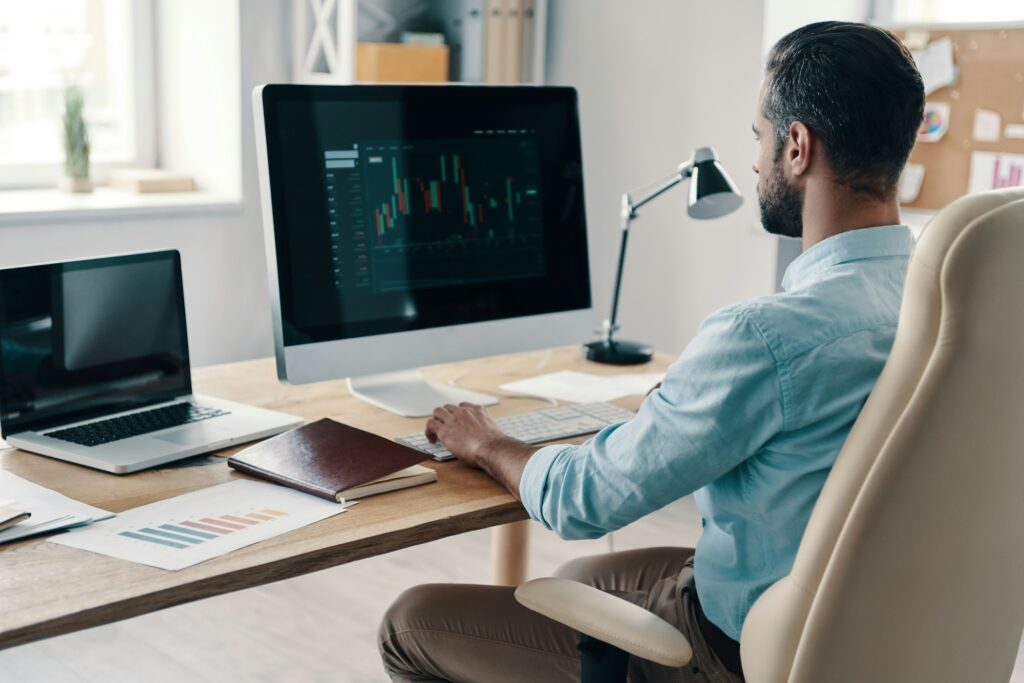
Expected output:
(412, 225)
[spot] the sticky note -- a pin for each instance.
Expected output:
(935, 62)
(910, 182)
(986, 125)
(935, 122)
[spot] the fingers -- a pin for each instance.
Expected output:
(430, 431)
(443, 413)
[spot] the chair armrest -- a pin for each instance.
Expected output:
(607, 618)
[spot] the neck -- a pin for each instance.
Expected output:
(830, 209)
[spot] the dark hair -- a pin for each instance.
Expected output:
(855, 87)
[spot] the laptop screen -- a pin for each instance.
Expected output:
(89, 338)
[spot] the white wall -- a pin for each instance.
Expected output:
(782, 16)
(222, 252)
(658, 78)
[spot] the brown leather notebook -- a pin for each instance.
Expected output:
(334, 461)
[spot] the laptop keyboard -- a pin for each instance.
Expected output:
(134, 424)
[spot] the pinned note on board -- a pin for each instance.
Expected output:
(1014, 131)
(916, 39)
(994, 171)
(935, 122)
(910, 182)
(986, 125)
(935, 63)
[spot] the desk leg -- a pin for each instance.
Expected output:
(509, 553)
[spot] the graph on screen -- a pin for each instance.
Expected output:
(436, 213)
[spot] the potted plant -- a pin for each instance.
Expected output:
(76, 143)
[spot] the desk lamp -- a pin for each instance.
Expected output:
(712, 195)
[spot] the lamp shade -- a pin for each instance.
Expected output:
(712, 192)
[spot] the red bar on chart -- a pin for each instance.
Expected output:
(222, 523)
(206, 527)
(239, 520)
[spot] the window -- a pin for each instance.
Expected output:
(99, 45)
(956, 11)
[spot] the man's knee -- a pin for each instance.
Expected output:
(407, 613)
(581, 569)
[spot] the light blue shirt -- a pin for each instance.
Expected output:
(750, 418)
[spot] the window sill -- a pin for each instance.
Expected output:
(18, 207)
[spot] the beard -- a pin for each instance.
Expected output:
(781, 206)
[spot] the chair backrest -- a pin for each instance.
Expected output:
(912, 565)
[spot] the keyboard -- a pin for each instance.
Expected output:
(539, 426)
(134, 424)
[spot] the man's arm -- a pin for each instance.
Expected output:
(717, 406)
(470, 433)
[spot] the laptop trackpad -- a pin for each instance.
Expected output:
(198, 434)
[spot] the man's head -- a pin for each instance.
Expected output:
(841, 100)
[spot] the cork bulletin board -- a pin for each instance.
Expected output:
(989, 77)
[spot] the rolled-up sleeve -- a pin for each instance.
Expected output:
(719, 403)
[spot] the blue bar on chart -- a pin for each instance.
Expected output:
(143, 537)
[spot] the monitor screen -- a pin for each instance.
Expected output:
(401, 208)
(89, 338)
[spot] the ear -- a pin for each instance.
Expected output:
(799, 145)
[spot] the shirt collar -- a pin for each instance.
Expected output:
(854, 245)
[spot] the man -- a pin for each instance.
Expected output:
(750, 418)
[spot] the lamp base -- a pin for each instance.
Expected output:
(616, 352)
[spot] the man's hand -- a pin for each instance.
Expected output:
(465, 430)
(472, 435)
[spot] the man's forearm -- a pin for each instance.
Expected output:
(505, 459)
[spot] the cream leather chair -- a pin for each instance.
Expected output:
(911, 569)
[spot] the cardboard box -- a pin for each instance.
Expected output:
(397, 63)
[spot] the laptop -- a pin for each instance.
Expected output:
(94, 367)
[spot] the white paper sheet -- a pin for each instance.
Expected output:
(1014, 131)
(935, 62)
(50, 510)
(192, 528)
(993, 171)
(187, 529)
(582, 387)
(986, 125)
(910, 182)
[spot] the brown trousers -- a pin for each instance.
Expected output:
(480, 634)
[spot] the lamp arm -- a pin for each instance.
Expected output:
(629, 212)
(664, 185)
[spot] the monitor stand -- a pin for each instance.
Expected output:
(410, 394)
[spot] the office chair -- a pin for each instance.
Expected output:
(911, 568)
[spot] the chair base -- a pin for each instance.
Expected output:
(601, 662)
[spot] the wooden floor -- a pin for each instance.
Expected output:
(316, 628)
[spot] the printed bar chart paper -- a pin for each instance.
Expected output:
(195, 527)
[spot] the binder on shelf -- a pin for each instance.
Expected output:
(464, 23)
(512, 63)
(494, 71)
(529, 13)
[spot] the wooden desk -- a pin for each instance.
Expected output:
(49, 589)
